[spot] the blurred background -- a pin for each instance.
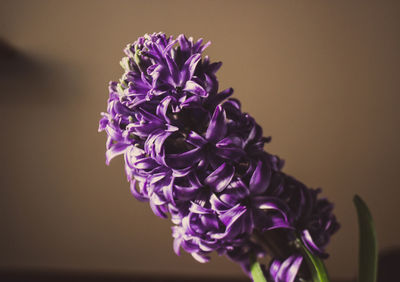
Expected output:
(321, 78)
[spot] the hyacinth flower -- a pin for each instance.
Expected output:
(197, 159)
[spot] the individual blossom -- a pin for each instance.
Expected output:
(312, 221)
(311, 217)
(285, 271)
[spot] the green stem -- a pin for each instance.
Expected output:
(256, 272)
(315, 264)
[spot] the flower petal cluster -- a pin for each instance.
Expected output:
(285, 271)
(192, 153)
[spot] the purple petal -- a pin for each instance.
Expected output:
(195, 208)
(195, 88)
(207, 246)
(115, 150)
(195, 139)
(214, 67)
(202, 258)
(232, 220)
(192, 101)
(158, 210)
(162, 108)
(260, 179)
(287, 270)
(232, 214)
(185, 193)
(173, 69)
(177, 245)
(145, 164)
(190, 245)
(181, 172)
(197, 44)
(157, 177)
(151, 68)
(132, 155)
(103, 122)
(114, 132)
(167, 188)
(221, 96)
(154, 145)
(264, 219)
(270, 203)
(144, 79)
(157, 198)
(139, 195)
(183, 42)
(211, 221)
(169, 46)
(311, 245)
(218, 127)
(234, 193)
(217, 204)
(221, 177)
(205, 46)
(149, 116)
(189, 68)
(230, 148)
(183, 160)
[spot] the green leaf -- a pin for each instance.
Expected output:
(316, 265)
(256, 272)
(368, 250)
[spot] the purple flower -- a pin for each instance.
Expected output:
(285, 271)
(192, 153)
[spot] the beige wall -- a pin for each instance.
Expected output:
(321, 77)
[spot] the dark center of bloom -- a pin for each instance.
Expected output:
(203, 195)
(134, 137)
(315, 224)
(191, 119)
(179, 89)
(176, 144)
(241, 168)
(246, 202)
(209, 147)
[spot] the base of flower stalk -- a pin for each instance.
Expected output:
(274, 242)
(277, 245)
(256, 272)
(315, 265)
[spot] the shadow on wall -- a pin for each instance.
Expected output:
(26, 79)
(389, 262)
